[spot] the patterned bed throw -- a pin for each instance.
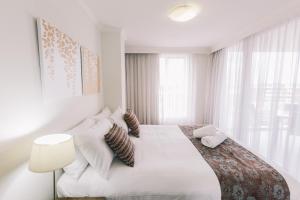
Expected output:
(242, 175)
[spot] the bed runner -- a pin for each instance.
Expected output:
(241, 174)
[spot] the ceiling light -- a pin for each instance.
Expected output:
(183, 12)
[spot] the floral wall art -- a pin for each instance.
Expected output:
(90, 72)
(60, 63)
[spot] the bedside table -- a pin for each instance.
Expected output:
(83, 198)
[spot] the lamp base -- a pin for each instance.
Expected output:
(54, 186)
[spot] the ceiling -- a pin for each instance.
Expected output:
(145, 22)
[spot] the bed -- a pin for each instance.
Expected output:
(168, 166)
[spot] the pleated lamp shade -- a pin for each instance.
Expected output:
(51, 152)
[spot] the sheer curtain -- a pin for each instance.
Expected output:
(255, 94)
(181, 88)
(225, 89)
(142, 84)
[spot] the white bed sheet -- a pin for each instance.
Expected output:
(167, 166)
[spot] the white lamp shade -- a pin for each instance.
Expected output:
(51, 152)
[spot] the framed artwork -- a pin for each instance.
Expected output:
(60, 62)
(90, 72)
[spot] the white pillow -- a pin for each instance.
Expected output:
(93, 147)
(77, 167)
(117, 118)
(105, 113)
(84, 125)
(90, 179)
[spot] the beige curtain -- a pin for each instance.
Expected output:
(142, 84)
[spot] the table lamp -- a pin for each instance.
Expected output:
(51, 152)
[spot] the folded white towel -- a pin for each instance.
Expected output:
(204, 131)
(213, 140)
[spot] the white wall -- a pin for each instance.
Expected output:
(23, 115)
(113, 66)
(167, 50)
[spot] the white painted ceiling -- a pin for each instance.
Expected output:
(145, 22)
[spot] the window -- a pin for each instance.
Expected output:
(173, 89)
(275, 101)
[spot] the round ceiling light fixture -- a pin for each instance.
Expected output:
(183, 12)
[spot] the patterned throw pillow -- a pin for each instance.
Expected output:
(120, 143)
(132, 123)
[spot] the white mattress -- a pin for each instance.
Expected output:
(167, 166)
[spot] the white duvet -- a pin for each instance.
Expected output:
(167, 166)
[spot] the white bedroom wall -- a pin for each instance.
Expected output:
(168, 50)
(113, 66)
(23, 114)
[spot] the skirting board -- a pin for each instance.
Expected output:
(83, 198)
